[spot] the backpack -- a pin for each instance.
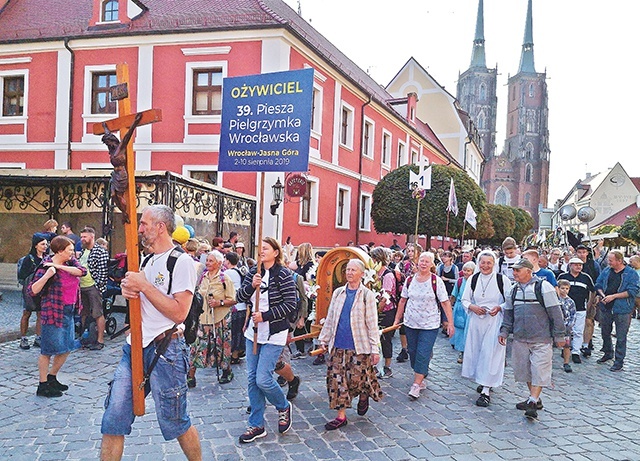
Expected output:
(192, 321)
(33, 303)
(399, 278)
(474, 283)
(301, 301)
(537, 289)
(301, 295)
(20, 263)
(117, 267)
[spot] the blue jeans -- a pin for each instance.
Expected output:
(262, 385)
(168, 386)
(622, 322)
(420, 347)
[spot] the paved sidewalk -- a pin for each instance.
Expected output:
(590, 414)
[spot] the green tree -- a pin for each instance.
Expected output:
(394, 209)
(630, 229)
(524, 223)
(504, 223)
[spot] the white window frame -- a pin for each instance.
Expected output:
(401, 153)
(313, 184)
(350, 125)
(189, 117)
(190, 68)
(365, 211)
(346, 209)
(87, 116)
(415, 157)
(15, 119)
(386, 136)
(318, 98)
(102, 19)
(371, 141)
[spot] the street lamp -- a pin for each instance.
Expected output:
(278, 192)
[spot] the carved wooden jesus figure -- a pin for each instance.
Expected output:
(118, 156)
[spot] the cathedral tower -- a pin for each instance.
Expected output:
(519, 176)
(476, 91)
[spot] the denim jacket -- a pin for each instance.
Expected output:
(630, 283)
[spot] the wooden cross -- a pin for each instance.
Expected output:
(126, 123)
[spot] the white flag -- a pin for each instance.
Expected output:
(470, 216)
(542, 237)
(453, 200)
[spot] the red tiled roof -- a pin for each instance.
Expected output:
(47, 20)
(621, 216)
(636, 182)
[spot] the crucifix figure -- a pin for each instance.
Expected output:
(118, 156)
(123, 191)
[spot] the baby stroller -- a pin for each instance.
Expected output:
(117, 268)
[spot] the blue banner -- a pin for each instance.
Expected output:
(266, 122)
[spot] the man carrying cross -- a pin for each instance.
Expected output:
(162, 310)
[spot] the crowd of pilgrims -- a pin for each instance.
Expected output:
(461, 294)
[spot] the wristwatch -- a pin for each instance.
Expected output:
(222, 302)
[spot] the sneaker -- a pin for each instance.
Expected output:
(284, 420)
(605, 358)
(414, 392)
(423, 385)
(460, 357)
(191, 382)
(249, 410)
(403, 356)
(586, 352)
(616, 367)
(24, 343)
(96, 346)
(53, 383)
(319, 360)
(386, 373)
(298, 355)
(335, 424)
(532, 410)
(36, 341)
(252, 433)
(567, 368)
(294, 385)
(363, 406)
(483, 400)
(480, 387)
(576, 358)
(523, 405)
(281, 381)
(227, 377)
(45, 390)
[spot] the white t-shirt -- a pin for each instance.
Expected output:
(184, 279)
(421, 310)
(507, 266)
(280, 338)
(233, 275)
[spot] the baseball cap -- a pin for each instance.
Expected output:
(581, 247)
(523, 264)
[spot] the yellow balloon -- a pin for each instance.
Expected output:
(181, 235)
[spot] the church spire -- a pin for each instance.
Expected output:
(477, 55)
(526, 59)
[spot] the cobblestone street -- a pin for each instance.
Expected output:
(590, 414)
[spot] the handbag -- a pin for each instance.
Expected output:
(459, 317)
(33, 303)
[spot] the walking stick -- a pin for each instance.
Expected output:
(256, 306)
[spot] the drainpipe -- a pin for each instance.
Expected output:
(360, 169)
(71, 77)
